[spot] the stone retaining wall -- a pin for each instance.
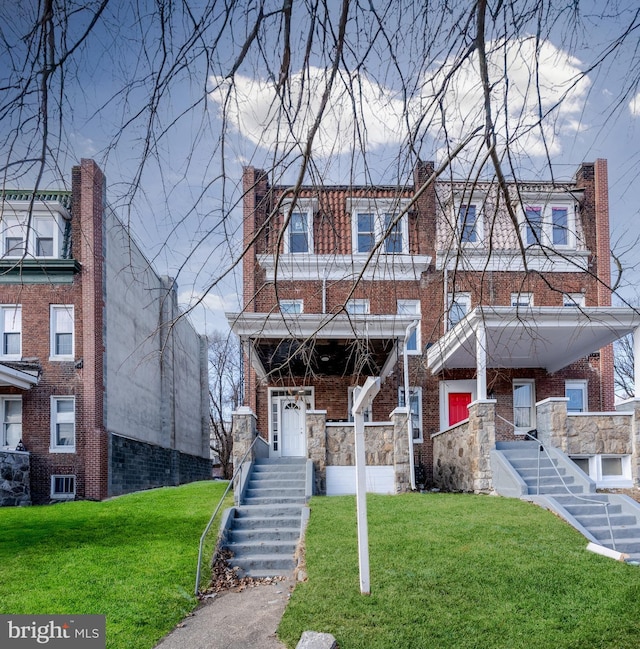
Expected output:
(461, 454)
(15, 477)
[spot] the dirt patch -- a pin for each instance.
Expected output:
(632, 493)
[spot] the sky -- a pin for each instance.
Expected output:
(168, 106)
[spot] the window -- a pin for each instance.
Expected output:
(377, 220)
(582, 463)
(415, 406)
(608, 471)
(368, 411)
(468, 224)
(11, 421)
(411, 307)
(357, 307)
(612, 467)
(63, 424)
(573, 300)
(521, 299)
(549, 225)
(63, 486)
(41, 238)
(62, 332)
(576, 392)
(299, 234)
(291, 306)
(11, 323)
(459, 306)
(523, 404)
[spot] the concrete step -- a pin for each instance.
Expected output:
(258, 500)
(628, 546)
(260, 534)
(591, 509)
(260, 548)
(549, 481)
(265, 524)
(266, 566)
(276, 481)
(269, 511)
(527, 464)
(557, 490)
(263, 492)
(619, 531)
(547, 472)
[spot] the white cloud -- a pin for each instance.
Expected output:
(206, 312)
(634, 106)
(258, 113)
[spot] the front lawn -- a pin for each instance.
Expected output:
(460, 571)
(132, 559)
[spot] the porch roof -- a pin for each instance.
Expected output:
(547, 337)
(327, 344)
(15, 378)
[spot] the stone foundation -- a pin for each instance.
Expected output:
(15, 477)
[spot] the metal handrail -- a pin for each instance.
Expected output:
(217, 509)
(564, 484)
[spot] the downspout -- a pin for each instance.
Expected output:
(407, 402)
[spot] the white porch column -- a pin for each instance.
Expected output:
(481, 361)
(636, 363)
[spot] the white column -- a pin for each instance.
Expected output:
(636, 363)
(481, 361)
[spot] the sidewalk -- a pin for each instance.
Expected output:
(245, 619)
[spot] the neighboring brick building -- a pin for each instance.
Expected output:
(513, 305)
(101, 379)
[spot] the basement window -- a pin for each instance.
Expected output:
(63, 487)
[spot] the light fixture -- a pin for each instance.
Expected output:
(324, 358)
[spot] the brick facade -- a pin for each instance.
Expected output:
(431, 227)
(78, 281)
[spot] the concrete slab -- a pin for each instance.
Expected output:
(245, 619)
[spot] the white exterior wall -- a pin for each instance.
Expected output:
(148, 388)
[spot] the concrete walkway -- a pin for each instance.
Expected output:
(233, 619)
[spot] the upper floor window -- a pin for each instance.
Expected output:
(549, 225)
(459, 306)
(291, 306)
(357, 307)
(62, 332)
(42, 238)
(573, 300)
(298, 237)
(411, 307)
(469, 224)
(521, 299)
(11, 323)
(379, 220)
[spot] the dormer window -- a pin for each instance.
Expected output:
(41, 238)
(549, 224)
(379, 222)
(469, 224)
(298, 235)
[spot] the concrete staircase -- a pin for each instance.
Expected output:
(549, 478)
(264, 530)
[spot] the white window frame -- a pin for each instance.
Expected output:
(30, 238)
(54, 309)
(367, 412)
(380, 209)
(464, 300)
(546, 209)
(5, 309)
(415, 396)
(63, 495)
(577, 384)
(291, 307)
(576, 300)
(522, 300)
(3, 434)
(308, 215)
(520, 430)
(65, 419)
(478, 223)
(625, 480)
(357, 306)
(412, 307)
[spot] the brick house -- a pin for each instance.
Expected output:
(101, 382)
(496, 309)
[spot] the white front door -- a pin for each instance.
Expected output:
(292, 427)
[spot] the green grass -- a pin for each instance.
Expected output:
(460, 571)
(132, 559)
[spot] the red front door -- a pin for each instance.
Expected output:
(458, 402)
